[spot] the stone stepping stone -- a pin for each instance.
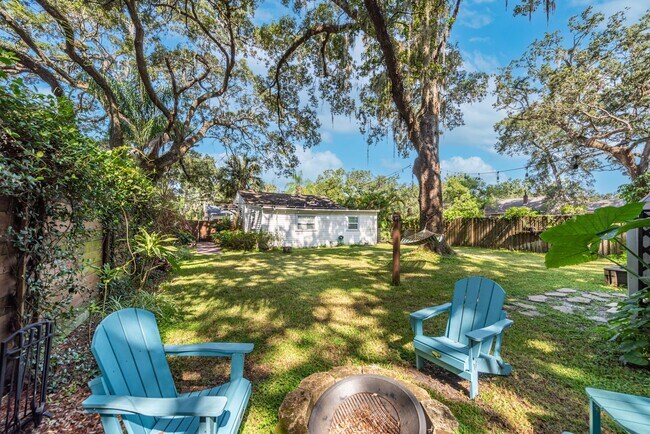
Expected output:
(530, 313)
(602, 294)
(619, 295)
(581, 300)
(613, 304)
(525, 306)
(593, 297)
(564, 309)
(597, 318)
(556, 294)
(566, 290)
(612, 310)
(538, 298)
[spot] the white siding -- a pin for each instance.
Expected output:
(329, 226)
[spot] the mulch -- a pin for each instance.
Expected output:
(72, 367)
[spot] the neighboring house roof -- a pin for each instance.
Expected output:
(592, 206)
(283, 200)
(537, 203)
(501, 205)
(220, 210)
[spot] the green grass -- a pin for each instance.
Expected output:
(315, 309)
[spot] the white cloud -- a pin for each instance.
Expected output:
(633, 9)
(469, 165)
(479, 39)
(478, 130)
(473, 19)
(475, 61)
(311, 164)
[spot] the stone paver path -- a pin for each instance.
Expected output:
(595, 306)
(567, 290)
(207, 248)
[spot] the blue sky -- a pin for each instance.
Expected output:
(489, 37)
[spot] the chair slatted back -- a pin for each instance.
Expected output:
(477, 303)
(131, 357)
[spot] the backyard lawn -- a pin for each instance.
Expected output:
(315, 309)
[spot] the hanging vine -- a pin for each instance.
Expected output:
(57, 181)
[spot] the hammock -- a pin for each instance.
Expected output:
(421, 237)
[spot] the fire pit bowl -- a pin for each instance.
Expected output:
(370, 404)
(363, 400)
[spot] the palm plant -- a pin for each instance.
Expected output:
(155, 251)
(296, 184)
(240, 173)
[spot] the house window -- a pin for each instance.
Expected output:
(353, 223)
(306, 223)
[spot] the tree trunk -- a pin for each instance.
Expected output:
(427, 170)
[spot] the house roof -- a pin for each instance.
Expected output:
(284, 200)
(594, 205)
(501, 205)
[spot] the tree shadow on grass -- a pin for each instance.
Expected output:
(319, 308)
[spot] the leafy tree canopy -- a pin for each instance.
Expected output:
(580, 104)
(240, 173)
(159, 76)
(360, 189)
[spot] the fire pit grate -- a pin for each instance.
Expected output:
(367, 404)
(364, 412)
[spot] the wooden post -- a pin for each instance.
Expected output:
(397, 238)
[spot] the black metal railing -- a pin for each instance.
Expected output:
(643, 249)
(24, 371)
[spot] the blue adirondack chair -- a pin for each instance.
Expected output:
(472, 341)
(136, 382)
(630, 412)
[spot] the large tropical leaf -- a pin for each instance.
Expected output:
(577, 252)
(591, 224)
(577, 240)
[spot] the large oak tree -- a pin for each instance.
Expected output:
(581, 103)
(409, 76)
(157, 75)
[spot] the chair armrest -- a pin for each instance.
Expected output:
(480, 335)
(417, 318)
(430, 312)
(217, 349)
(205, 406)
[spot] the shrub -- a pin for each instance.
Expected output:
(572, 210)
(466, 206)
(519, 211)
(225, 224)
(183, 237)
(265, 240)
(240, 240)
(162, 306)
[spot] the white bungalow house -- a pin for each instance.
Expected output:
(305, 220)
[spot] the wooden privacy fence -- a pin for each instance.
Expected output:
(512, 234)
(92, 252)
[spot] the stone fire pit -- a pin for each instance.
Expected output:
(297, 406)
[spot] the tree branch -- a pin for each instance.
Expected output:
(392, 64)
(33, 66)
(141, 61)
(443, 41)
(309, 33)
(117, 138)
